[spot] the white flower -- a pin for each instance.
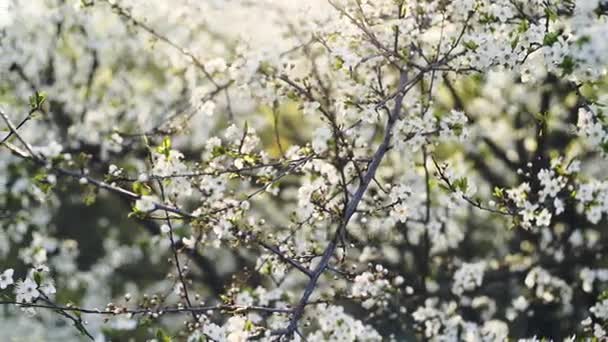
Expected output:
(169, 165)
(369, 114)
(6, 278)
(559, 206)
(208, 108)
(213, 185)
(235, 328)
(244, 299)
(586, 322)
(113, 170)
(142, 178)
(26, 291)
(543, 218)
(366, 285)
(216, 65)
(600, 310)
(598, 331)
(309, 108)
(6, 14)
(52, 150)
(594, 214)
(319, 140)
(468, 277)
(400, 212)
(145, 204)
(233, 133)
(197, 96)
(179, 289)
(528, 212)
(585, 192)
(165, 229)
(400, 192)
(52, 179)
(495, 330)
(189, 242)
(520, 303)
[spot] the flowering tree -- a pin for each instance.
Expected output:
(358, 170)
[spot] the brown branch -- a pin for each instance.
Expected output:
(351, 207)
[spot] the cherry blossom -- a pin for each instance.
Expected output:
(333, 170)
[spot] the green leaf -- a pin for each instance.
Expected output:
(165, 147)
(514, 42)
(83, 159)
(583, 40)
(90, 195)
(161, 336)
(541, 117)
(249, 326)
(498, 192)
(458, 129)
(141, 189)
(37, 100)
(461, 184)
(41, 181)
(250, 159)
(444, 188)
(567, 65)
(338, 63)
(551, 14)
(471, 45)
(218, 151)
(550, 38)
(523, 26)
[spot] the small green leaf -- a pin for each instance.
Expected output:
(165, 147)
(471, 45)
(37, 100)
(444, 187)
(461, 184)
(514, 42)
(218, 151)
(541, 117)
(161, 336)
(90, 195)
(583, 40)
(338, 63)
(249, 326)
(567, 65)
(41, 181)
(458, 129)
(250, 159)
(141, 189)
(551, 14)
(523, 26)
(550, 38)
(498, 192)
